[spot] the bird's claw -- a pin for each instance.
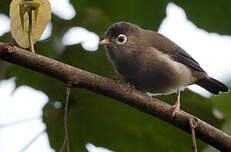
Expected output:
(130, 86)
(176, 108)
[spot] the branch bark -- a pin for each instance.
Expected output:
(113, 89)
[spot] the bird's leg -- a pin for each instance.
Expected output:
(176, 106)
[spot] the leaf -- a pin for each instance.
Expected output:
(20, 21)
(222, 104)
(104, 122)
(98, 15)
(213, 16)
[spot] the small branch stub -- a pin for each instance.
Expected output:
(193, 122)
(66, 139)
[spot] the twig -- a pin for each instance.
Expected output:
(65, 115)
(193, 124)
(66, 140)
(63, 145)
(115, 90)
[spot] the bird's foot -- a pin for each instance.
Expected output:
(176, 108)
(129, 87)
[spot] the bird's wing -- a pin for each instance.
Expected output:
(175, 52)
(186, 59)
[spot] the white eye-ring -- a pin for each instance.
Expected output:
(121, 39)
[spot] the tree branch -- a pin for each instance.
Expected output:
(113, 89)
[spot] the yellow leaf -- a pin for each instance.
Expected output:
(40, 19)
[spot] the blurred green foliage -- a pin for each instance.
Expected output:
(96, 119)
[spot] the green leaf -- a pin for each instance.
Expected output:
(213, 16)
(104, 122)
(222, 104)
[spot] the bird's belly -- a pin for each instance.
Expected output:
(150, 77)
(157, 84)
(154, 81)
(152, 72)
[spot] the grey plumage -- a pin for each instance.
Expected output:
(153, 63)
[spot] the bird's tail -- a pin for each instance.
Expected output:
(212, 85)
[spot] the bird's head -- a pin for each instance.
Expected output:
(121, 37)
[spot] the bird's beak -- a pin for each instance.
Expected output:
(104, 42)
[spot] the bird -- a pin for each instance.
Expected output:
(152, 63)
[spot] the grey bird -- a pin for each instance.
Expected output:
(152, 63)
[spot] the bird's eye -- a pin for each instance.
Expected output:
(121, 39)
